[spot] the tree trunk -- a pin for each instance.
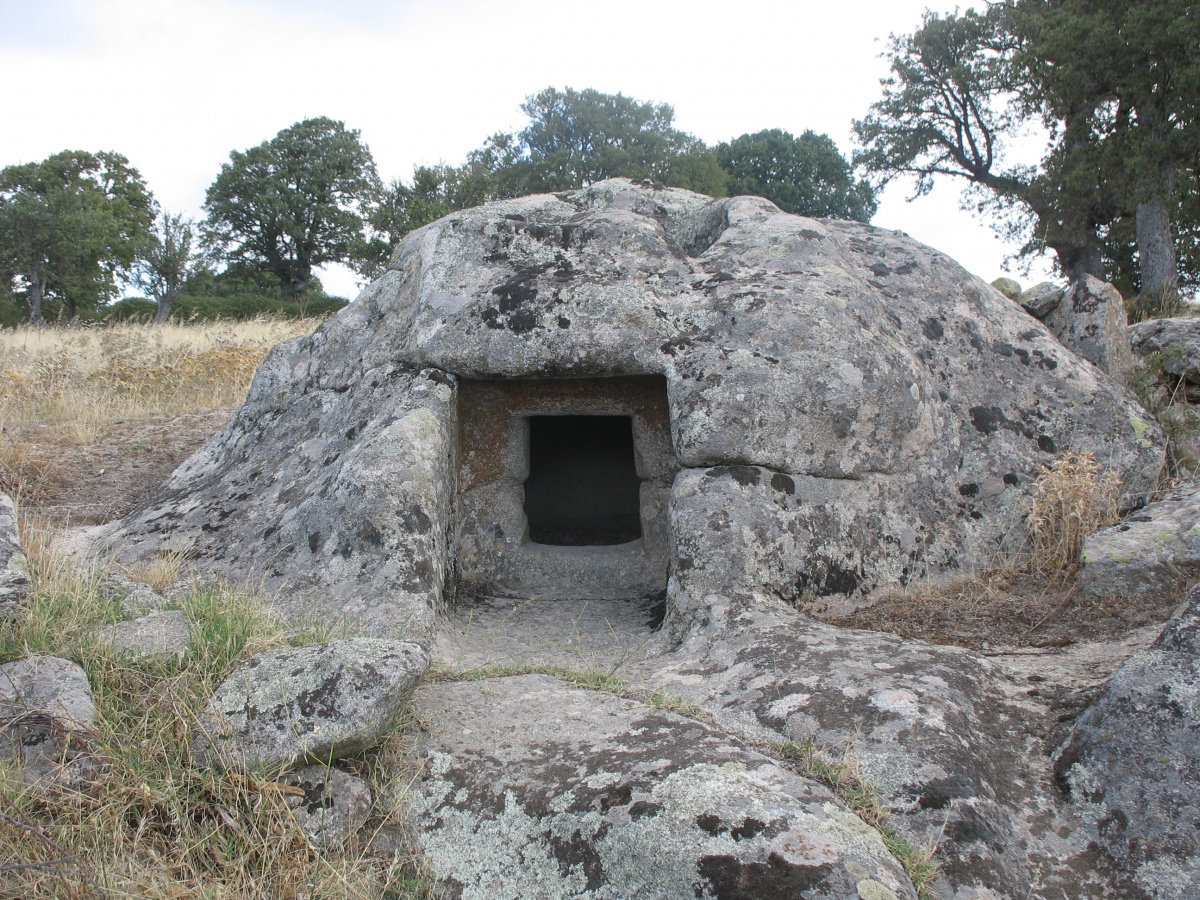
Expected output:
(1156, 257)
(163, 312)
(33, 300)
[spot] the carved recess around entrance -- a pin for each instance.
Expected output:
(496, 555)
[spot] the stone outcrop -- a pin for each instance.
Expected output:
(1132, 763)
(1174, 345)
(537, 790)
(846, 409)
(1152, 554)
(282, 708)
(1090, 321)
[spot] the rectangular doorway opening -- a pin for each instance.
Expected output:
(583, 487)
(564, 487)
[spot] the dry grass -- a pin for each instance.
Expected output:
(85, 380)
(151, 824)
(1072, 499)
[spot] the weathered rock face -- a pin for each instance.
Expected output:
(285, 707)
(1040, 299)
(161, 635)
(847, 408)
(1132, 763)
(535, 790)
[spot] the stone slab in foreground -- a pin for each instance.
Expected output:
(536, 790)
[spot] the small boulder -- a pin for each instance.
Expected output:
(333, 806)
(535, 790)
(1009, 287)
(14, 570)
(1132, 762)
(1152, 554)
(137, 599)
(284, 707)
(46, 718)
(1090, 322)
(1040, 299)
(161, 635)
(1177, 340)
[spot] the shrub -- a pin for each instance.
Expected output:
(1072, 498)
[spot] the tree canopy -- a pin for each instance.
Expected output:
(1116, 87)
(294, 202)
(805, 175)
(69, 226)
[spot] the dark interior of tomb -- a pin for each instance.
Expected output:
(582, 488)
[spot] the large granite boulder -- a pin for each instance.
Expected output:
(842, 408)
(536, 790)
(1132, 763)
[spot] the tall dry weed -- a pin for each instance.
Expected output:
(1072, 498)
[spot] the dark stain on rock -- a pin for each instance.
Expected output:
(750, 828)
(1046, 444)
(643, 809)
(939, 793)
(1010, 478)
(932, 329)
(833, 579)
(783, 483)
(710, 824)
(576, 852)
(968, 490)
(987, 419)
(746, 476)
(730, 878)
(314, 541)
(414, 519)
(564, 322)
(620, 796)
(369, 535)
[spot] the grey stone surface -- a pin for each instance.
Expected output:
(1090, 321)
(46, 718)
(1176, 339)
(1132, 763)
(952, 742)
(535, 790)
(333, 807)
(164, 634)
(851, 363)
(14, 569)
(1151, 554)
(281, 708)
(1040, 299)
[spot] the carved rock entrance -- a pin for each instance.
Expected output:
(564, 486)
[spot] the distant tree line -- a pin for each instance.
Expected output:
(77, 227)
(1116, 85)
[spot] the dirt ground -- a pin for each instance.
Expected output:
(88, 484)
(81, 485)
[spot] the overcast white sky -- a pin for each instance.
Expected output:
(175, 85)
